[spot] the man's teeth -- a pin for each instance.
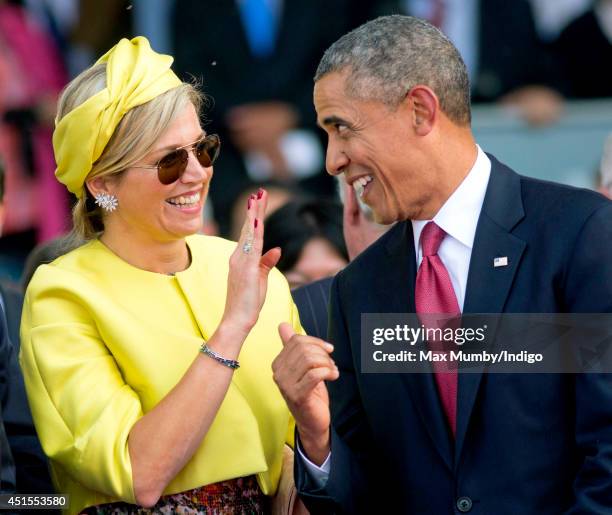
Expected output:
(185, 201)
(361, 183)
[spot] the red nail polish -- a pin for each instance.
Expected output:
(255, 223)
(249, 203)
(260, 193)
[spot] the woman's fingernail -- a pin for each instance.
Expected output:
(260, 193)
(249, 203)
(255, 223)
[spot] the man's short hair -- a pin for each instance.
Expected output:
(388, 56)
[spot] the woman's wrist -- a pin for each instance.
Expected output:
(236, 326)
(229, 338)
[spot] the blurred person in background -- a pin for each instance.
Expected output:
(507, 61)
(552, 16)
(151, 18)
(31, 75)
(59, 18)
(358, 225)
(309, 234)
(29, 464)
(257, 58)
(7, 465)
(279, 194)
(98, 26)
(360, 231)
(605, 169)
(585, 50)
(146, 351)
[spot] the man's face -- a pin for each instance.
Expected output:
(377, 150)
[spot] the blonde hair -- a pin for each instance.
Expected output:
(133, 138)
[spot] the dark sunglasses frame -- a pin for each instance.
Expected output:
(172, 166)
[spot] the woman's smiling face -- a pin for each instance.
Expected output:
(161, 212)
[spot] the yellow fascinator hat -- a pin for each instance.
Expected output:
(135, 74)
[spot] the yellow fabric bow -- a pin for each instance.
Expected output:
(135, 74)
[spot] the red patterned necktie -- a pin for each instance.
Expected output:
(434, 294)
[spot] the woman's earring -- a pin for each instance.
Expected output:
(106, 201)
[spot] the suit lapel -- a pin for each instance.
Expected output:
(488, 287)
(400, 277)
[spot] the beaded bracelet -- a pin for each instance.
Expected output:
(233, 364)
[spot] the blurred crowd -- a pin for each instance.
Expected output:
(255, 60)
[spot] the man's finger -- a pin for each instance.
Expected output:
(311, 380)
(307, 340)
(286, 332)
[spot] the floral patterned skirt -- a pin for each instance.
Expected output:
(240, 496)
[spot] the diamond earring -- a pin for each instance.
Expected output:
(106, 201)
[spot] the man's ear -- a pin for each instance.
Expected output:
(425, 107)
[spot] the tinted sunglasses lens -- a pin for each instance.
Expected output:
(208, 150)
(172, 166)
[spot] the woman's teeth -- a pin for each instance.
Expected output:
(188, 201)
(360, 184)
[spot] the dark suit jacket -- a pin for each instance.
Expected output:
(30, 460)
(7, 466)
(586, 53)
(525, 443)
(16, 408)
(311, 301)
(511, 54)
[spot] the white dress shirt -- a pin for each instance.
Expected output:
(458, 217)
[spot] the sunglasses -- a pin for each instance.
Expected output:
(172, 166)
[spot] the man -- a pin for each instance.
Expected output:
(393, 97)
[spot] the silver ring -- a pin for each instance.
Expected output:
(247, 247)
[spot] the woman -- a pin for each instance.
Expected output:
(310, 234)
(131, 343)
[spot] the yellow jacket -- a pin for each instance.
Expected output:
(103, 342)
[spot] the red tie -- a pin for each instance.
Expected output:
(434, 294)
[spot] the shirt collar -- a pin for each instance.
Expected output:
(459, 215)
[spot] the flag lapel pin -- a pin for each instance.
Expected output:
(500, 261)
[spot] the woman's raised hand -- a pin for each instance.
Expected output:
(247, 281)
